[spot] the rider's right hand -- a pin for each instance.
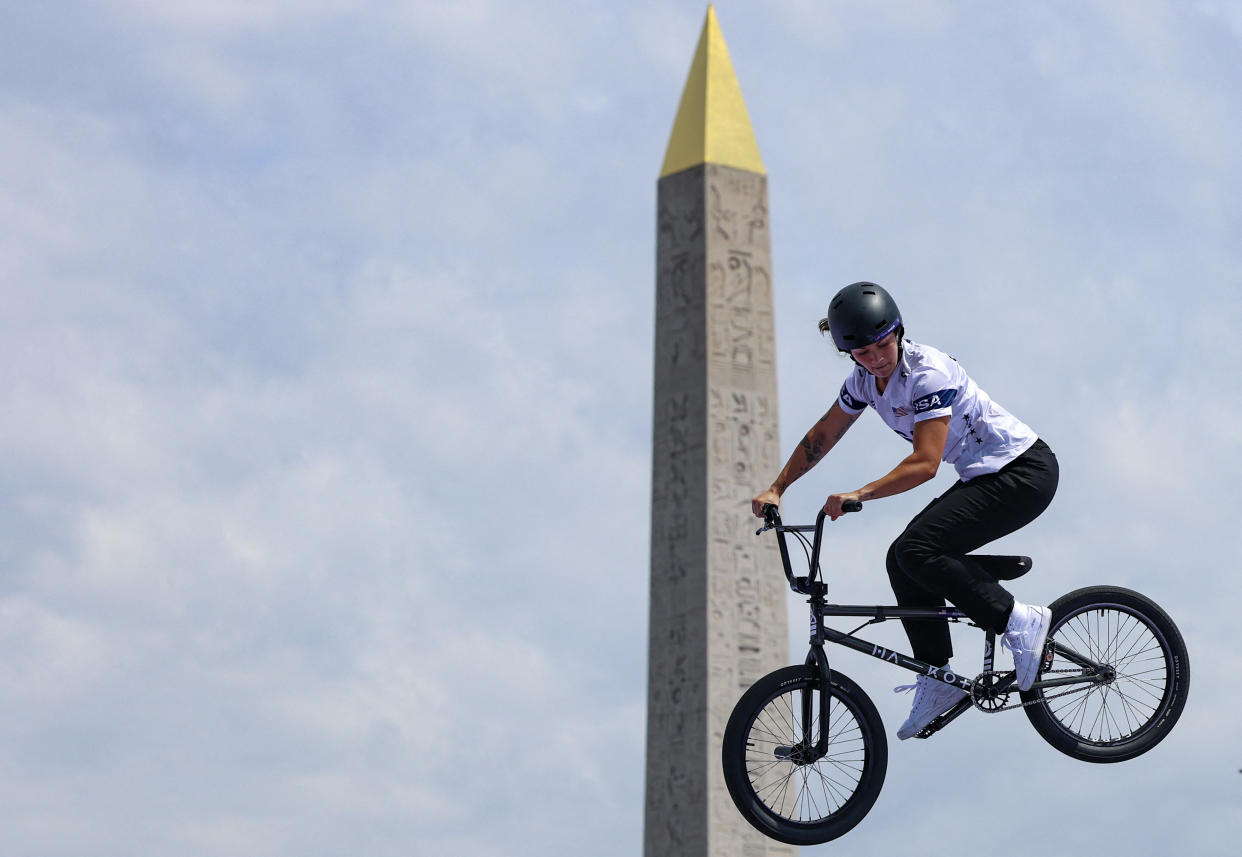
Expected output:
(769, 496)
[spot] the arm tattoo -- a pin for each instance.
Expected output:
(813, 450)
(850, 419)
(814, 446)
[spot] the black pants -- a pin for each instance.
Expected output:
(928, 563)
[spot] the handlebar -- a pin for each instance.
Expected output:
(772, 521)
(772, 515)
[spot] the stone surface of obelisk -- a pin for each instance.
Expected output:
(717, 620)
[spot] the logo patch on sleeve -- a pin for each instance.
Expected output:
(850, 402)
(935, 401)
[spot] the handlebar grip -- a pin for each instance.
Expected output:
(771, 515)
(851, 506)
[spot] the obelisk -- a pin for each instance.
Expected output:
(717, 620)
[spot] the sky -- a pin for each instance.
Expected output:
(326, 377)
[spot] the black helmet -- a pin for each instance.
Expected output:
(860, 314)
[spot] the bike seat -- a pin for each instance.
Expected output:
(1003, 567)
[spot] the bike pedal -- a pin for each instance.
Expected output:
(1049, 656)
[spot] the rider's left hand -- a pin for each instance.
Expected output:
(832, 506)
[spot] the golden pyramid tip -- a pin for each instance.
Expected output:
(712, 124)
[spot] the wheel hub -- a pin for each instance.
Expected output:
(801, 754)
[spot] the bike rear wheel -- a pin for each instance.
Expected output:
(1141, 687)
(777, 784)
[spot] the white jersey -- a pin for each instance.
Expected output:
(983, 436)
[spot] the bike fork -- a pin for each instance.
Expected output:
(819, 659)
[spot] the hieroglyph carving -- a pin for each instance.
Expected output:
(717, 594)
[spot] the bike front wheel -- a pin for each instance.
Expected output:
(779, 783)
(1140, 676)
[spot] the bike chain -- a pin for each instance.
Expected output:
(989, 673)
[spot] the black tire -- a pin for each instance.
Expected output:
(1115, 720)
(803, 803)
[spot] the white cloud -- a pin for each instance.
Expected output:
(327, 388)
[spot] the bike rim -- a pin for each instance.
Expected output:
(804, 793)
(1115, 712)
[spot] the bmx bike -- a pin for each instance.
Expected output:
(805, 752)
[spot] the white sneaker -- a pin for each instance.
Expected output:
(1025, 637)
(931, 699)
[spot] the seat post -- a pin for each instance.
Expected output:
(989, 651)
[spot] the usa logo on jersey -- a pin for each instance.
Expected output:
(935, 401)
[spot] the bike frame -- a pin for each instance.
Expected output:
(817, 657)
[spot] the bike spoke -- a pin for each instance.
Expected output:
(804, 792)
(1109, 711)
